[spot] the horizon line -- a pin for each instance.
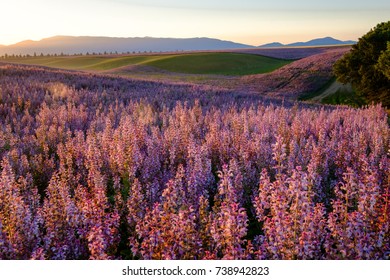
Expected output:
(177, 38)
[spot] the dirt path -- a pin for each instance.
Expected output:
(333, 88)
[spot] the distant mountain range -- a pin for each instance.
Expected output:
(84, 44)
(327, 41)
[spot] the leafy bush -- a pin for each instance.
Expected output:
(366, 67)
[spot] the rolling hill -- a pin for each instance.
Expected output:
(219, 63)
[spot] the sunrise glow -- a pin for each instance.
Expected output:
(247, 21)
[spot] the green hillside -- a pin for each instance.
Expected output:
(195, 63)
(218, 63)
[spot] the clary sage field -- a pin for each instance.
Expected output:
(96, 167)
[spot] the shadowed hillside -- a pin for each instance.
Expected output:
(302, 76)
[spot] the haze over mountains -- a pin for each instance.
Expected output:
(84, 44)
(327, 41)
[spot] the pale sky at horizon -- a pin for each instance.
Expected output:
(244, 21)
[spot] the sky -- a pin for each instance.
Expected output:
(253, 22)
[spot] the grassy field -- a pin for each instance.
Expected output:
(219, 63)
(335, 93)
(344, 97)
(197, 63)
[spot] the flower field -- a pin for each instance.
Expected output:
(303, 76)
(95, 167)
